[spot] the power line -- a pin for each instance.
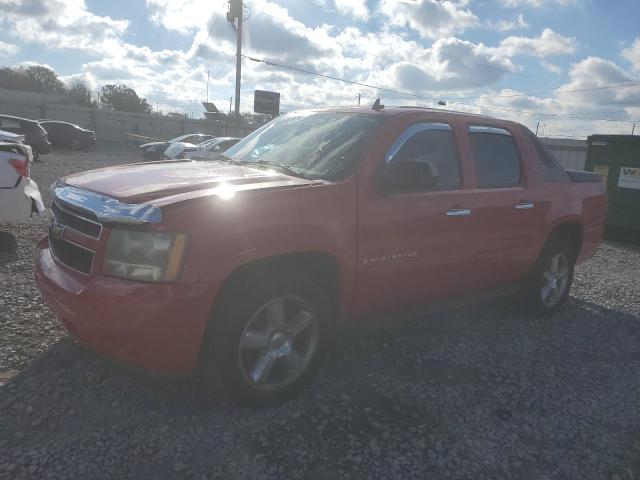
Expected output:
(368, 29)
(215, 22)
(634, 82)
(334, 12)
(417, 96)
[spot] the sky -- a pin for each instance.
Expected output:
(566, 67)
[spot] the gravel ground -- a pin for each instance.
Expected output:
(482, 393)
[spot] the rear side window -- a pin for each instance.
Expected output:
(432, 143)
(546, 158)
(496, 157)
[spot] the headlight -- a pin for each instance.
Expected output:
(144, 256)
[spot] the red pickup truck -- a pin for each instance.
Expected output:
(246, 264)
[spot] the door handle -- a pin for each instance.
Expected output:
(523, 205)
(458, 212)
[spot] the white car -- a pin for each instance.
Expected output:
(202, 151)
(19, 195)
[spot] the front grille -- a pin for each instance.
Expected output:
(76, 219)
(74, 256)
(69, 217)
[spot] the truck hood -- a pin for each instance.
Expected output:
(160, 182)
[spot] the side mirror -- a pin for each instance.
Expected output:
(409, 175)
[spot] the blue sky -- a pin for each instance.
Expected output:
(572, 65)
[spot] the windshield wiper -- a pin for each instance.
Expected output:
(289, 170)
(220, 157)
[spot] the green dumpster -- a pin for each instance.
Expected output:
(617, 159)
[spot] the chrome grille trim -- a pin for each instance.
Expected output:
(53, 248)
(76, 217)
(106, 209)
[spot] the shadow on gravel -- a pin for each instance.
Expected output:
(484, 392)
(8, 248)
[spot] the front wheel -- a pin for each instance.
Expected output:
(267, 340)
(550, 280)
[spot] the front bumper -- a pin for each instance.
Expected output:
(158, 327)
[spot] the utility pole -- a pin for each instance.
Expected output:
(358, 99)
(537, 126)
(235, 12)
(207, 86)
(633, 129)
(230, 102)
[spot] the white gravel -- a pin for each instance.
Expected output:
(483, 393)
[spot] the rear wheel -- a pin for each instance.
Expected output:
(75, 144)
(267, 340)
(550, 280)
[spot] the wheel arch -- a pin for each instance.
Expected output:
(323, 268)
(570, 231)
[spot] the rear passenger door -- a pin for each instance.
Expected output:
(505, 217)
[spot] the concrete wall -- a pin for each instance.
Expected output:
(571, 154)
(109, 126)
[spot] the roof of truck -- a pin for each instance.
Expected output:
(407, 109)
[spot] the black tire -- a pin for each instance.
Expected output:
(222, 358)
(539, 297)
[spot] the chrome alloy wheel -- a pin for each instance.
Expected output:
(278, 343)
(555, 280)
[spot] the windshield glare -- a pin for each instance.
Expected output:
(323, 145)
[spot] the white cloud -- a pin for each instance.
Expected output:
(186, 15)
(633, 54)
(60, 23)
(539, 3)
(431, 18)
(355, 8)
(517, 23)
(8, 49)
(549, 43)
(552, 67)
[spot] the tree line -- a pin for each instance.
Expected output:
(40, 79)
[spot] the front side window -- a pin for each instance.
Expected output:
(433, 144)
(314, 145)
(496, 157)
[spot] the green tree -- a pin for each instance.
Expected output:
(123, 98)
(35, 78)
(80, 93)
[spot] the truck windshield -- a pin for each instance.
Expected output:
(316, 145)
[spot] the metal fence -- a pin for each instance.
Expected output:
(110, 126)
(571, 154)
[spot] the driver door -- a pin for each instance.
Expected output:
(415, 245)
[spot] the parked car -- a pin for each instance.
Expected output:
(247, 265)
(65, 134)
(35, 135)
(155, 150)
(19, 194)
(202, 151)
(8, 137)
